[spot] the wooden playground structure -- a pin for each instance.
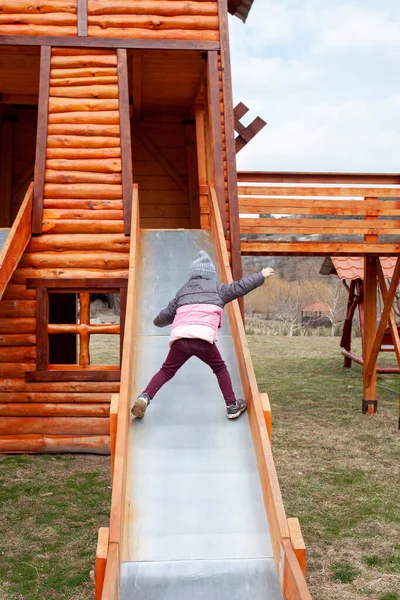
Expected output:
(136, 131)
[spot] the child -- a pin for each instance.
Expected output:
(195, 314)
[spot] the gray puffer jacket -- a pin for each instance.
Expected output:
(208, 291)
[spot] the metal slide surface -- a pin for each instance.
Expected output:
(195, 524)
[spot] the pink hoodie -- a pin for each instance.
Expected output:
(201, 321)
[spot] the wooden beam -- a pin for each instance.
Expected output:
(82, 10)
(126, 145)
(267, 248)
(160, 158)
(42, 335)
(298, 544)
(137, 85)
(345, 341)
(114, 406)
(392, 320)
(369, 403)
(92, 42)
(86, 284)
(41, 141)
(74, 375)
(22, 99)
(230, 146)
(101, 561)
(193, 176)
(202, 167)
(315, 177)
(240, 110)
(214, 113)
(6, 169)
(246, 134)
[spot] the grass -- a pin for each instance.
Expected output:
(52, 507)
(338, 470)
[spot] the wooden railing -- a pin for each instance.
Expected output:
(121, 421)
(294, 586)
(17, 240)
(325, 214)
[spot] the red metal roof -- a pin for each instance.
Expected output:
(240, 8)
(316, 307)
(352, 267)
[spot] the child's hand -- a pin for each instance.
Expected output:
(267, 272)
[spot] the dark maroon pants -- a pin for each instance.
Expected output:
(180, 352)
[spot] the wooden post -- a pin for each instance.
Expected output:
(267, 413)
(298, 544)
(125, 127)
(202, 167)
(101, 561)
(214, 113)
(41, 141)
(369, 403)
(42, 334)
(82, 9)
(193, 177)
(113, 428)
(345, 342)
(6, 169)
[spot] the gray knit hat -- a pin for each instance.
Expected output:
(202, 266)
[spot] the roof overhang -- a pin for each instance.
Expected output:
(240, 8)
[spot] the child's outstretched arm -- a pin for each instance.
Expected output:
(236, 289)
(166, 316)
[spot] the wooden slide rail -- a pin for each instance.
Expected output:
(17, 240)
(285, 544)
(304, 204)
(120, 421)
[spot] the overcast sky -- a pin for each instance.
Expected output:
(326, 78)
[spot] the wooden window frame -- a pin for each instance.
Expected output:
(82, 371)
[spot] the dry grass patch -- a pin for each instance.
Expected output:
(338, 470)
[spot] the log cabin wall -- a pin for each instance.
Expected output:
(38, 17)
(82, 237)
(154, 19)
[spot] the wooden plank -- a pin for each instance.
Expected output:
(70, 375)
(111, 577)
(268, 248)
(6, 168)
(298, 544)
(137, 85)
(125, 126)
(369, 403)
(202, 167)
(111, 284)
(123, 297)
(38, 443)
(234, 223)
(310, 177)
(266, 407)
(262, 205)
(99, 399)
(41, 142)
(392, 320)
(294, 585)
(240, 109)
(82, 9)
(247, 133)
(101, 561)
(214, 113)
(114, 42)
(193, 177)
(17, 241)
(330, 226)
(59, 409)
(113, 428)
(54, 425)
(350, 192)
(42, 336)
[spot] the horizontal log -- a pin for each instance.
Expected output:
(332, 226)
(104, 328)
(325, 192)
(284, 206)
(65, 260)
(156, 22)
(54, 425)
(37, 6)
(74, 226)
(63, 105)
(34, 443)
(17, 308)
(107, 117)
(54, 409)
(21, 275)
(21, 325)
(52, 176)
(71, 81)
(83, 129)
(83, 215)
(86, 165)
(82, 190)
(59, 243)
(83, 60)
(111, 284)
(23, 354)
(82, 141)
(74, 375)
(15, 370)
(83, 72)
(149, 7)
(276, 248)
(85, 91)
(16, 339)
(83, 153)
(80, 51)
(18, 292)
(54, 18)
(165, 34)
(72, 387)
(84, 204)
(100, 398)
(36, 30)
